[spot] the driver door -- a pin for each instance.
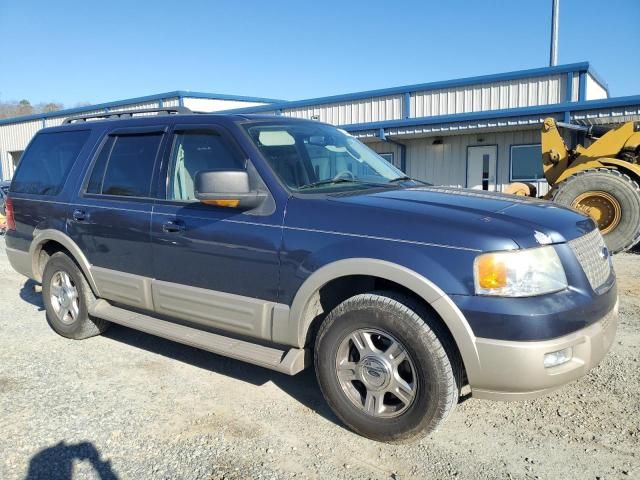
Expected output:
(214, 266)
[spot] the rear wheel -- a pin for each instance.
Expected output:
(67, 297)
(610, 198)
(387, 367)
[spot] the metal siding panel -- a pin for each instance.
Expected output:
(213, 104)
(575, 90)
(15, 137)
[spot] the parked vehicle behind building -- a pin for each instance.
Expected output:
(287, 243)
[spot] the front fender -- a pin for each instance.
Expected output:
(292, 329)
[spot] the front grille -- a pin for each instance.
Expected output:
(593, 256)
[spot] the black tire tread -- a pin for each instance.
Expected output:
(632, 183)
(88, 326)
(431, 332)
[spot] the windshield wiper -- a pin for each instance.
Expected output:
(329, 181)
(405, 178)
(401, 179)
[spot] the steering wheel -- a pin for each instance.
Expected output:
(344, 174)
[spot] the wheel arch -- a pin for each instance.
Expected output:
(42, 238)
(294, 328)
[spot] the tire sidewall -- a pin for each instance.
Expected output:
(428, 395)
(625, 192)
(60, 262)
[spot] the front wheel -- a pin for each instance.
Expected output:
(386, 366)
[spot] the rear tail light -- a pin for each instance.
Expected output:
(11, 219)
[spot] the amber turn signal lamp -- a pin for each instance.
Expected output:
(492, 272)
(232, 203)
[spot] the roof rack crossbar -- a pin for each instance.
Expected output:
(127, 114)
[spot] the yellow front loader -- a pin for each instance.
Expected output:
(601, 180)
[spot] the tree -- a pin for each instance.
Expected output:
(10, 109)
(24, 107)
(50, 107)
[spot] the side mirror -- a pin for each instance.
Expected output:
(227, 188)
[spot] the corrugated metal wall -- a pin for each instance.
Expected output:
(446, 163)
(351, 112)
(526, 92)
(14, 138)
(215, 105)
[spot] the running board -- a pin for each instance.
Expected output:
(289, 362)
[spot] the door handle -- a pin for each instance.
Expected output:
(79, 215)
(172, 226)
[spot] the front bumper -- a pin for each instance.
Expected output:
(514, 370)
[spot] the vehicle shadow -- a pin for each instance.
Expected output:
(56, 462)
(28, 294)
(303, 387)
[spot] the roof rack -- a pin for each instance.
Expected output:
(127, 114)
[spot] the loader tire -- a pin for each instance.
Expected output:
(611, 198)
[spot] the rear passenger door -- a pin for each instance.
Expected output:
(111, 218)
(214, 266)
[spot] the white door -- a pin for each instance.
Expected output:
(481, 167)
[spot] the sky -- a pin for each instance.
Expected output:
(89, 51)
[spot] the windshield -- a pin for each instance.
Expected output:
(311, 158)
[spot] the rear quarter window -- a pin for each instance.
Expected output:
(46, 163)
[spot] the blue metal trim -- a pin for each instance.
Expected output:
(493, 114)
(381, 134)
(181, 101)
(406, 105)
(582, 89)
(149, 98)
(583, 67)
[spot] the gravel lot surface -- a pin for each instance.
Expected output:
(128, 405)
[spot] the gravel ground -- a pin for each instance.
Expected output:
(128, 405)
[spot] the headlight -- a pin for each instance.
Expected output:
(519, 273)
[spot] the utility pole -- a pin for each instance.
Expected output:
(555, 17)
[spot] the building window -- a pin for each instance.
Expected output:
(526, 163)
(387, 156)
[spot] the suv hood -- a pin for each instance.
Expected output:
(457, 217)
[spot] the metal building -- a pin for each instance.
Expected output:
(480, 132)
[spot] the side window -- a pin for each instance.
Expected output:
(124, 166)
(46, 163)
(193, 151)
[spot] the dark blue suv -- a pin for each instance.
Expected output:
(287, 243)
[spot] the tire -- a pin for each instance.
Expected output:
(431, 358)
(616, 184)
(77, 324)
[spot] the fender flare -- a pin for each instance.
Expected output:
(43, 236)
(292, 329)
